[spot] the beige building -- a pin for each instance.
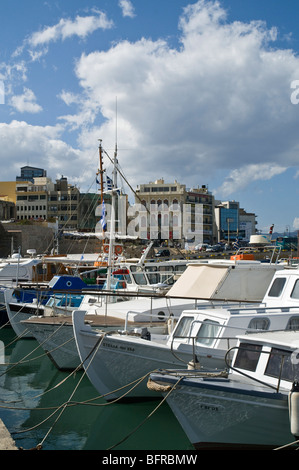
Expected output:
(44, 200)
(168, 211)
(8, 190)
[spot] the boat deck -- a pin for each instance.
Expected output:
(93, 320)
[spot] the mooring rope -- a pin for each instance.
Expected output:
(148, 417)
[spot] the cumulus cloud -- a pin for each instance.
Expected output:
(220, 101)
(41, 146)
(26, 102)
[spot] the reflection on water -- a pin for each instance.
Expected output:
(32, 390)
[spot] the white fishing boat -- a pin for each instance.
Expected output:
(253, 405)
(143, 317)
(129, 280)
(45, 324)
(201, 337)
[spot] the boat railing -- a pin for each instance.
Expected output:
(210, 340)
(159, 317)
(263, 309)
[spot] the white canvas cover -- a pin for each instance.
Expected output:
(237, 282)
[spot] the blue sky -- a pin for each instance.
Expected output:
(203, 90)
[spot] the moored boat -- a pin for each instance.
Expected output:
(253, 406)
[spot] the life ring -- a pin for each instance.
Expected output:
(118, 250)
(106, 248)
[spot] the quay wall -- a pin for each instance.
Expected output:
(40, 236)
(6, 441)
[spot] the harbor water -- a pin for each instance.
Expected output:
(33, 395)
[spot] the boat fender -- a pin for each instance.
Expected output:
(294, 409)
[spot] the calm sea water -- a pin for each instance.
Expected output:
(33, 391)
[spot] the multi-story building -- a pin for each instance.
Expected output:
(63, 202)
(44, 200)
(171, 212)
(233, 223)
(159, 206)
(227, 220)
(32, 198)
(200, 202)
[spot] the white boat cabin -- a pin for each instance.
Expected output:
(269, 357)
(216, 328)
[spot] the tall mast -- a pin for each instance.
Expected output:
(101, 171)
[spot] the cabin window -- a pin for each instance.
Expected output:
(153, 276)
(295, 291)
(127, 278)
(138, 276)
(283, 364)
(140, 279)
(180, 268)
(277, 286)
(260, 323)
(293, 324)
(184, 326)
(248, 356)
(208, 332)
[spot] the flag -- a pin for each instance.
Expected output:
(271, 229)
(236, 244)
(109, 183)
(103, 217)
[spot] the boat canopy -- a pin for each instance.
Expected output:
(240, 283)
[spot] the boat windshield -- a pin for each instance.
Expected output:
(208, 332)
(277, 287)
(283, 364)
(183, 327)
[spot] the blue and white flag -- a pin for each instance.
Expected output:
(236, 245)
(109, 183)
(103, 217)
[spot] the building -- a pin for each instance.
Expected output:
(7, 209)
(159, 206)
(63, 202)
(168, 211)
(200, 202)
(32, 198)
(226, 221)
(44, 200)
(28, 173)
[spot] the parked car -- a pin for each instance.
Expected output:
(163, 252)
(215, 248)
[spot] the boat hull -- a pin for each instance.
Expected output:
(214, 414)
(115, 364)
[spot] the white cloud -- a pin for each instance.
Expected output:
(26, 102)
(127, 8)
(82, 26)
(240, 177)
(220, 101)
(38, 145)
